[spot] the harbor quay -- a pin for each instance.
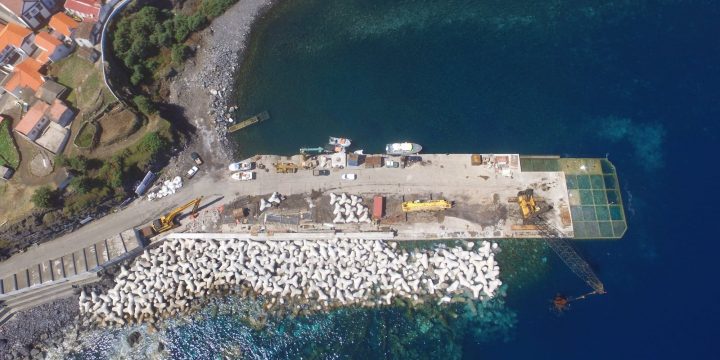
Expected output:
(577, 197)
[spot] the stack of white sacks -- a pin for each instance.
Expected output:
(349, 209)
(169, 187)
(274, 200)
(318, 274)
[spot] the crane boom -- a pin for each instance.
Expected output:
(167, 222)
(568, 255)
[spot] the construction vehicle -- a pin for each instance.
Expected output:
(532, 216)
(528, 205)
(167, 221)
(285, 168)
(425, 205)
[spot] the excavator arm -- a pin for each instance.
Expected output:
(167, 222)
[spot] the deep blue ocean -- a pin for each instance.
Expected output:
(636, 81)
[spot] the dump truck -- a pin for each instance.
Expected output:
(425, 205)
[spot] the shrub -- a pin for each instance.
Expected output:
(179, 53)
(81, 184)
(112, 171)
(144, 105)
(44, 197)
(152, 143)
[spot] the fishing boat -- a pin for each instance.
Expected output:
(403, 148)
(339, 141)
(243, 175)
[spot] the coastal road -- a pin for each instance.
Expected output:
(450, 175)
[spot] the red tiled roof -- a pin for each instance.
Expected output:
(47, 42)
(26, 74)
(57, 109)
(89, 8)
(13, 34)
(34, 114)
(63, 24)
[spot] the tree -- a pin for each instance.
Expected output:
(44, 197)
(81, 184)
(112, 171)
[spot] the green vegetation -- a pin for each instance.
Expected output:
(86, 135)
(44, 197)
(9, 155)
(144, 105)
(96, 180)
(147, 32)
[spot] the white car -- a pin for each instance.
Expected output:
(192, 172)
(348, 176)
(241, 166)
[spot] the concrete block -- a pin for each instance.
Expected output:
(91, 257)
(80, 264)
(68, 265)
(22, 279)
(34, 272)
(115, 247)
(102, 253)
(57, 269)
(45, 271)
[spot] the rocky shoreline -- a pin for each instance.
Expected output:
(204, 87)
(202, 91)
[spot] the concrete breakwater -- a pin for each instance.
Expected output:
(316, 274)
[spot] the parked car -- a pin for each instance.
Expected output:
(193, 170)
(321, 172)
(348, 176)
(392, 164)
(241, 166)
(196, 158)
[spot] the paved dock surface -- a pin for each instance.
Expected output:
(480, 194)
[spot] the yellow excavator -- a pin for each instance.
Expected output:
(528, 206)
(167, 221)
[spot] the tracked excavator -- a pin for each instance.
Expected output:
(532, 214)
(167, 221)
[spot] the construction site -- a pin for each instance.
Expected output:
(428, 197)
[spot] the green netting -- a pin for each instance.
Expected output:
(584, 182)
(606, 229)
(586, 197)
(602, 212)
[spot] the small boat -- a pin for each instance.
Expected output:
(241, 166)
(359, 152)
(339, 141)
(334, 148)
(243, 176)
(404, 148)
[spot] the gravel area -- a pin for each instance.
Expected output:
(30, 331)
(202, 88)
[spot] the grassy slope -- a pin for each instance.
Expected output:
(8, 152)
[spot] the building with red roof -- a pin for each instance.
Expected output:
(16, 43)
(88, 10)
(63, 24)
(45, 124)
(51, 49)
(25, 80)
(28, 13)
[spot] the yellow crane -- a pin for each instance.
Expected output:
(425, 205)
(167, 221)
(284, 168)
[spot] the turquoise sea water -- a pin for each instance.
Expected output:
(634, 80)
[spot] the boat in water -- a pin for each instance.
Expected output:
(403, 148)
(243, 175)
(339, 141)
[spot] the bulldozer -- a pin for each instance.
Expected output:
(167, 221)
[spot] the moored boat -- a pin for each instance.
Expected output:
(241, 166)
(403, 148)
(243, 175)
(339, 141)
